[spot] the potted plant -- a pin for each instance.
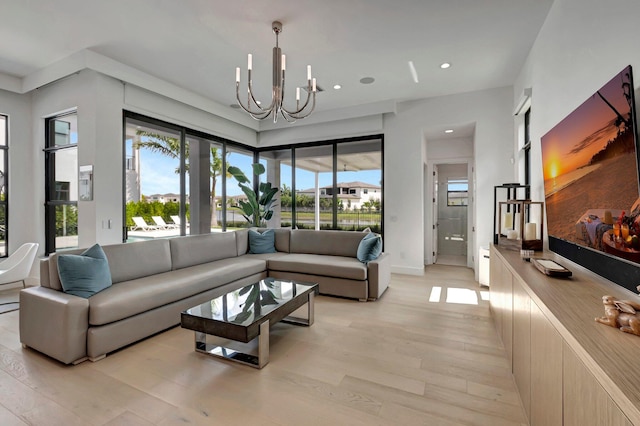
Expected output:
(258, 209)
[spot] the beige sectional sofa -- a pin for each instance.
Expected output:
(153, 281)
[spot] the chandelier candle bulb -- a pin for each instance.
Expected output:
(314, 85)
(297, 93)
(308, 72)
(284, 63)
(249, 61)
(237, 74)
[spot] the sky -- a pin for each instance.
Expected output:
(158, 174)
(572, 142)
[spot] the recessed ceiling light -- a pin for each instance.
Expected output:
(367, 80)
(337, 87)
(445, 65)
(448, 131)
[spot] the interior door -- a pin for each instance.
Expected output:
(434, 214)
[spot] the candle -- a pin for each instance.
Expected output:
(314, 85)
(237, 74)
(297, 93)
(249, 61)
(284, 62)
(512, 234)
(530, 231)
(507, 220)
(308, 72)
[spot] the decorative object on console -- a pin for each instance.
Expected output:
(523, 232)
(622, 314)
(502, 222)
(551, 268)
(276, 106)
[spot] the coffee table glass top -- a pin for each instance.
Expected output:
(253, 302)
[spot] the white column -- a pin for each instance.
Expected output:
(317, 209)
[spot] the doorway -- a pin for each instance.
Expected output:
(451, 214)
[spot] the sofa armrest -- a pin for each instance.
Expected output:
(379, 275)
(54, 323)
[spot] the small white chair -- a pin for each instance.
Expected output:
(176, 220)
(162, 224)
(142, 225)
(17, 266)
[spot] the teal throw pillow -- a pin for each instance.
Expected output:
(369, 248)
(262, 242)
(85, 274)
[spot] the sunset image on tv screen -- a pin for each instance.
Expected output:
(589, 165)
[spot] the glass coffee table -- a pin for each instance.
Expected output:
(245, 315)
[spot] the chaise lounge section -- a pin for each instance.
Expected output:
(153, 281)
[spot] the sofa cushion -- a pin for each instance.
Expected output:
(336, 243)
(198, 249)
(85, 274)
(129, 261)
(281, 239)
(136, 296)
(369, 248)
(329, 266)
(262, 242)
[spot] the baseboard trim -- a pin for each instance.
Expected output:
(407, 270)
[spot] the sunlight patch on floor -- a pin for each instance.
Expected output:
(462, 296)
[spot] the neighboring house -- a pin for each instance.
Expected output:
(352, 194)
(165, 198)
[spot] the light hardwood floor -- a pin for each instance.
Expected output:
(401, 360)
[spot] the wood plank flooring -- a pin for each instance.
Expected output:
(401, 360)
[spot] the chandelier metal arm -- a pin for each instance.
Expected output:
(277, 92)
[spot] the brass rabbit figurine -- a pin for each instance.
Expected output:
(623, 314)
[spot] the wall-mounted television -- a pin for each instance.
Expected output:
(590, 169)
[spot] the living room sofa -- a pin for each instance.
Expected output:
(153, 281)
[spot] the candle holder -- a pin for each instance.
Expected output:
(515, 222)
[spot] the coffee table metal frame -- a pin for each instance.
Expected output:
(257, 329)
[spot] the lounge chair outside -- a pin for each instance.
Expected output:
(162, 224)
(142, 225)
(176, 220)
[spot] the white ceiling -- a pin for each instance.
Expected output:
(197, 44)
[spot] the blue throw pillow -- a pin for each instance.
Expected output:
(262, 243)
(85, 274)
(369, 248)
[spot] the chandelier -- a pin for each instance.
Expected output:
(277, 92)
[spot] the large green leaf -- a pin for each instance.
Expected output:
(258, 168)
(238, 174)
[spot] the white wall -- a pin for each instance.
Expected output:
(582, 45)
(404, 203)
(24, 169)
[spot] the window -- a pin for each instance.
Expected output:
(327, 183)
(61, 184)
(154, 180)
(4, 169)
(527, 153)
(457, 192)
